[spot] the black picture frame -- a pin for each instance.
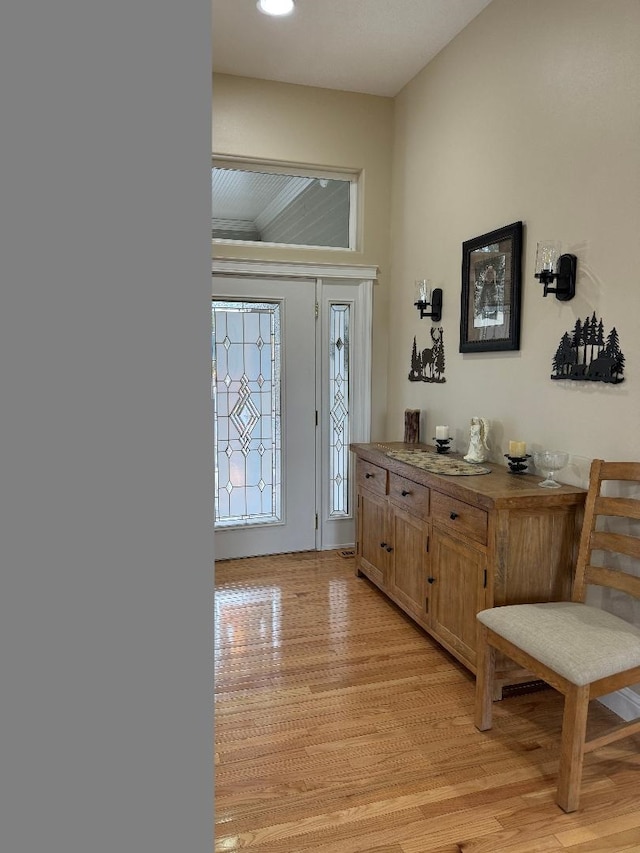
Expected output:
(491, 291)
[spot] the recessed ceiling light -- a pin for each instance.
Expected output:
(275, 7)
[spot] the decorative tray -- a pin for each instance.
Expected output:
(438, 463)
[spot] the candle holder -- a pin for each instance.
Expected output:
(442, 445)
(518, 464)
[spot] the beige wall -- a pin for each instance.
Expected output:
(532, 113)
(262, 120)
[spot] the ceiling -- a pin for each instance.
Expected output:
(368, 46)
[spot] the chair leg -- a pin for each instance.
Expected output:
(485, 673)
(574, 728)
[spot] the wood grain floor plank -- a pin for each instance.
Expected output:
(341, 727)
(539, 820)
(499, 843)
(619, 842)
(601, 829)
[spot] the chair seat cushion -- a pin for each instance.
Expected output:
(579, 642)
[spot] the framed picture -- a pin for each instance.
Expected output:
(490, 300)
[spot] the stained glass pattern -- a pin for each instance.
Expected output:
(339, 410)
(246, 349)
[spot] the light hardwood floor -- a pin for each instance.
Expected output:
(341, 727)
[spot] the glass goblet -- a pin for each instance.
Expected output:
(550, 462)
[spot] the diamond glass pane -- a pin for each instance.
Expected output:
(339, 410)
(246, 350)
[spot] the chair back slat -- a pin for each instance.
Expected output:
(614, 579)
(619, 543)
(624, 507)
(620, 470)
(592, 539)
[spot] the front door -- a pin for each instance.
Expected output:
(264, 390)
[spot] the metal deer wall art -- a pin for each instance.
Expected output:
(427, 365)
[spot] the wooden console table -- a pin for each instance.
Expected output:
(444, 547)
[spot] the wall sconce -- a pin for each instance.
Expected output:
(428, 298)
(552, 266)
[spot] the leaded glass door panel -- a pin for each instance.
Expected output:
(341, 390)
(264, 356)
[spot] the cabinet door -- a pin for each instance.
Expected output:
(409, 565)
(457, 593)
(373, 537)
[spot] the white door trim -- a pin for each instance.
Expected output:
(237, 266)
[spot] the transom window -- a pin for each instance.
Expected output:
(294, 207)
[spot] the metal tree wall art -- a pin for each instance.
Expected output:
(428, 364)
(585, 354)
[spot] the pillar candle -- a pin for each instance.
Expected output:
(517, 448)
(442, 432)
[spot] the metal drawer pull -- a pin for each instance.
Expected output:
(389, 549)
(404, 493)
(431, 580)
(453, 516)
(383, 544)
(367, 475)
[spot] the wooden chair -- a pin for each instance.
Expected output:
(580, 650)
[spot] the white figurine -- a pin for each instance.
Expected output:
(478, 435)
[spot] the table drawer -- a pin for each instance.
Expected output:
(460, 516)
(371, 477)
(411, 496)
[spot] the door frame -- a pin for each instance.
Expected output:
(364, 277)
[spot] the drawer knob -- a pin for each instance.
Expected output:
(431, 580)
(383, 544)
(453, 516)
(367, 475)
(404, 493)
(389, 549)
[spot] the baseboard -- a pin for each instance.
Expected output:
(625, 703)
